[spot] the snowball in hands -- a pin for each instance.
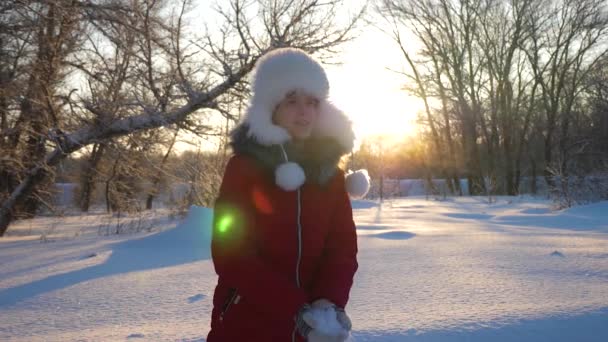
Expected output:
(324, 323)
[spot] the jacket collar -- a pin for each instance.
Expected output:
(318, 156)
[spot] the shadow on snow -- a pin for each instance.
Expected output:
(585, 327)
(188, 242)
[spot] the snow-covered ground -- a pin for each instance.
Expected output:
(453, 270)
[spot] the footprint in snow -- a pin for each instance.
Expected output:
(196, 298)
(88, 256)
(135, 336)
(392, 235)
(468, 216)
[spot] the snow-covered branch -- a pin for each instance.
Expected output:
(91, 73)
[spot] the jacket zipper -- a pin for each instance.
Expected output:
(299, 239)
(299, 229)
(233, 298)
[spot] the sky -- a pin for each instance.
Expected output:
(367, 87)
(363, 83)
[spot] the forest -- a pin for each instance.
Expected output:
(97, 93)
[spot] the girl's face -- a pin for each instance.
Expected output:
(297, 113)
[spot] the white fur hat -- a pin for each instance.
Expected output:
(276, 74)
(280, 72)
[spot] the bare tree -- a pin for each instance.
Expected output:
(509, 99)
(424, 87)
(38, 36)
(452, 66)
(144, 72)
(494, 73)
(567, 39)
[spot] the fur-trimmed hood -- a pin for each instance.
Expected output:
(316, 159)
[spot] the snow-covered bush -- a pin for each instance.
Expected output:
(578, 189)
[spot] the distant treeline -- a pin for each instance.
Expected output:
(512, 88)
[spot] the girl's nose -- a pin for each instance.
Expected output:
(304, 111)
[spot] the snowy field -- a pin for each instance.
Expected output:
(454, 270)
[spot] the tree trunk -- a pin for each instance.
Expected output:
(34, 151)
(159, 175)
(476, 183)
(21, 192)
(458, 187)
(109, 204)
(517, 176)
(509, 172)
(534, 185)
(563, 146)
(150, 198)
(3, 113)
(448, 183)
(381, 187)
(88, 179)
(548, 160)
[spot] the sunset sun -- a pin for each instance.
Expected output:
(371, 93)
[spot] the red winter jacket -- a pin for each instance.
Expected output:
(268, 263)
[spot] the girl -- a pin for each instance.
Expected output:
(284, 241)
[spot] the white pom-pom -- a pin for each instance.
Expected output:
(357, 183)
(289, 176)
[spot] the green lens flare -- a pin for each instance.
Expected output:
(224, 223)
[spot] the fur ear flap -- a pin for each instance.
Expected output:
(262, 129)
(334, 123)
(357, 183)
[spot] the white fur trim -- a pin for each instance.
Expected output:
(289, 176)
(334, 123)
(357, 183)
(263, 130)
(276, 74)
(284, 70)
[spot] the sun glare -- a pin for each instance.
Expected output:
(370, 93)
(383, 112)
(366, 86)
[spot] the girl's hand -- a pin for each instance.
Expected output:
(341, 315)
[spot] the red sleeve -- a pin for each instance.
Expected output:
(234, 250)
(339, 263)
